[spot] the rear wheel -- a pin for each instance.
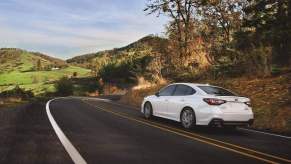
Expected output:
(188, 118)
(148, 110)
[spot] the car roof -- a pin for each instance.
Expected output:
(192, 84)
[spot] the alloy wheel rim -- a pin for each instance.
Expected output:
(187, 118)
(147, 111)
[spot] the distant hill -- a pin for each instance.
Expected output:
(13, 59)
(149, 43)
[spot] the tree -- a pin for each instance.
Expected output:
(223, 15)
(207, 22)
(64, 87)
(38, 65)
(75, 74)
(267, 22)
(220, 19)
(181, 12)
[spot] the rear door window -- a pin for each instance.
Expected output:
(183, 90)
(216, 91)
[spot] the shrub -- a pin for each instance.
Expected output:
(64, 87)
(255, 60)
(125, 71)
(17, 92)
(227, 70)
(75, 74)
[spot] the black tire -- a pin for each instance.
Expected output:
(187, 118)
(148, 110)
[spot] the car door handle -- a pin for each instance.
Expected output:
(166, 100)
(182, 100)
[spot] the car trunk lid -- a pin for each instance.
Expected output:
(234, 104)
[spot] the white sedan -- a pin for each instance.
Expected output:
(199, 104)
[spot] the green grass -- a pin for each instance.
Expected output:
(38, 81)
(24, 61)
(18, 67)
(24, 78)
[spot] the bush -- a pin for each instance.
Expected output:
(17, 92)
(64, 87)
(255, 60)
(75, 74)
(125, 71)
(276, 70)
(227, 70)
(116, 72)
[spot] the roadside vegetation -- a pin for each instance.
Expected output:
(14, 97)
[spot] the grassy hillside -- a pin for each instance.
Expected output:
(125, 65)
(12, 59)
(33, 71)
(148, 43)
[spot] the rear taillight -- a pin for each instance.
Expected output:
(212, 101)
(248, 103)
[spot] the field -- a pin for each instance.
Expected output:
(19, 67)
(38, 81)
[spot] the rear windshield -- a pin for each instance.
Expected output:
(216, 91)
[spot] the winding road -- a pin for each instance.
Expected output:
(103, 131)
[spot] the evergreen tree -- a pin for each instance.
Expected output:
(269, 23)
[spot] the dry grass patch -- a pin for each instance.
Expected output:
(10, 102)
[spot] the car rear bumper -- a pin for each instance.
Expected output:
(221, 122)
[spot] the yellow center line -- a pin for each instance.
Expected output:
(181, 134)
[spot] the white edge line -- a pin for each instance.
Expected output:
(91, 98)
(251, 130)
(271, 134)
(71, 150)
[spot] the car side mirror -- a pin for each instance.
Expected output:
(157, 94)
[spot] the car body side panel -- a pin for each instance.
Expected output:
(160, 105)
(175, 105)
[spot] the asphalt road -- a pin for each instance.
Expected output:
(26, 137)
(106, 132)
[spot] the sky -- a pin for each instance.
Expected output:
(67, 28)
